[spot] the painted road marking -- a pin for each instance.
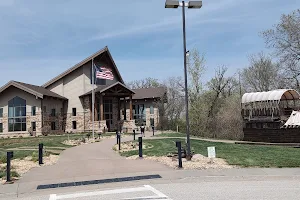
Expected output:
(159, 195)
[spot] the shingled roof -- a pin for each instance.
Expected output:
(149, 93)
(32, 89)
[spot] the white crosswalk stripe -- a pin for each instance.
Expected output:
(137, 193)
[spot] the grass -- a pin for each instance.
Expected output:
(172, 134)
(234, 154)
(51, 143)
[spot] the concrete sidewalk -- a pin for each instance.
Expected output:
(85, 162)
(99, 161)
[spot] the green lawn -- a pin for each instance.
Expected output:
(234, 154)
(28, 146)
(171, 134)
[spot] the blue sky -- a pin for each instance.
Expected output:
(39, 39)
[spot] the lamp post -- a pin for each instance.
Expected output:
(183, 4)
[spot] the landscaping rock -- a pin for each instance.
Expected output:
(198, 162)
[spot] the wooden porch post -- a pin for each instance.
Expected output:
(124, 108)
(96, 110)
(101, 107)
(119, 108)
(130, 106)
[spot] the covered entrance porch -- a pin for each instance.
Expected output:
(110, 108)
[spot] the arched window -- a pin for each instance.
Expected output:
(17, 114)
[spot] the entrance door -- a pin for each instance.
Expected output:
(108, 112)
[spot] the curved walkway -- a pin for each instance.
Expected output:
(91, 161)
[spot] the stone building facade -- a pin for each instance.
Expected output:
(64, 104)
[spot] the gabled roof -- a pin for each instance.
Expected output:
(103, 88)
(104, 50)
(149, 93)
(32, 89)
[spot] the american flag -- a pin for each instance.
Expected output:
(103, 73)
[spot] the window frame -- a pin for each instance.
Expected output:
(152, 109)
(53, 112)
(53, 124)
(17, 115)
(74, 114)
(33, 126)
(33, 111)
(74, 125)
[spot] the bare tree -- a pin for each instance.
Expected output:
(218, 84)
(262, 74)
(196, 67)
(284, 38)
(174, 106)
(144, 83)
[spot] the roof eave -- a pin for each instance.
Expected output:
(17, 85)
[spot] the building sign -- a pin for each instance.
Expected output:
(211, 152)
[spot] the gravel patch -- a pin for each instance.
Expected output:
(198, 162)
(24, 165)
(79, 141)
(130, 146)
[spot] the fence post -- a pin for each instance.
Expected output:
(140, 147)
(119, 136)
(41, 145)
(9, 156)
(178, 145)
(133, 134)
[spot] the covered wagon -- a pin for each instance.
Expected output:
(266, 116)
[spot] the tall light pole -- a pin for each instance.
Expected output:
(183, 4)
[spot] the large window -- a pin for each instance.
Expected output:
(1, 112)
(151, 110)
(17, 114)
(139, 114)
(108, 110)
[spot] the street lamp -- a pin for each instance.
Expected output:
(183, 4)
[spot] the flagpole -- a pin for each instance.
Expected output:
(93, 98)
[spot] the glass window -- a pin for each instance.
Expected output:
(1, 127)
(33, 110)
(1, 112)
(53, 112)
(151, 121)
(139, 114)
(151, 110)
(53, 126)
(74, 111)
(33, 126)
(17, 114)
(74, 124)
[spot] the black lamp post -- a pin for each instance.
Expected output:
(183, 4)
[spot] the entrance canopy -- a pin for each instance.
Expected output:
(115, 90)
(274, 95)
